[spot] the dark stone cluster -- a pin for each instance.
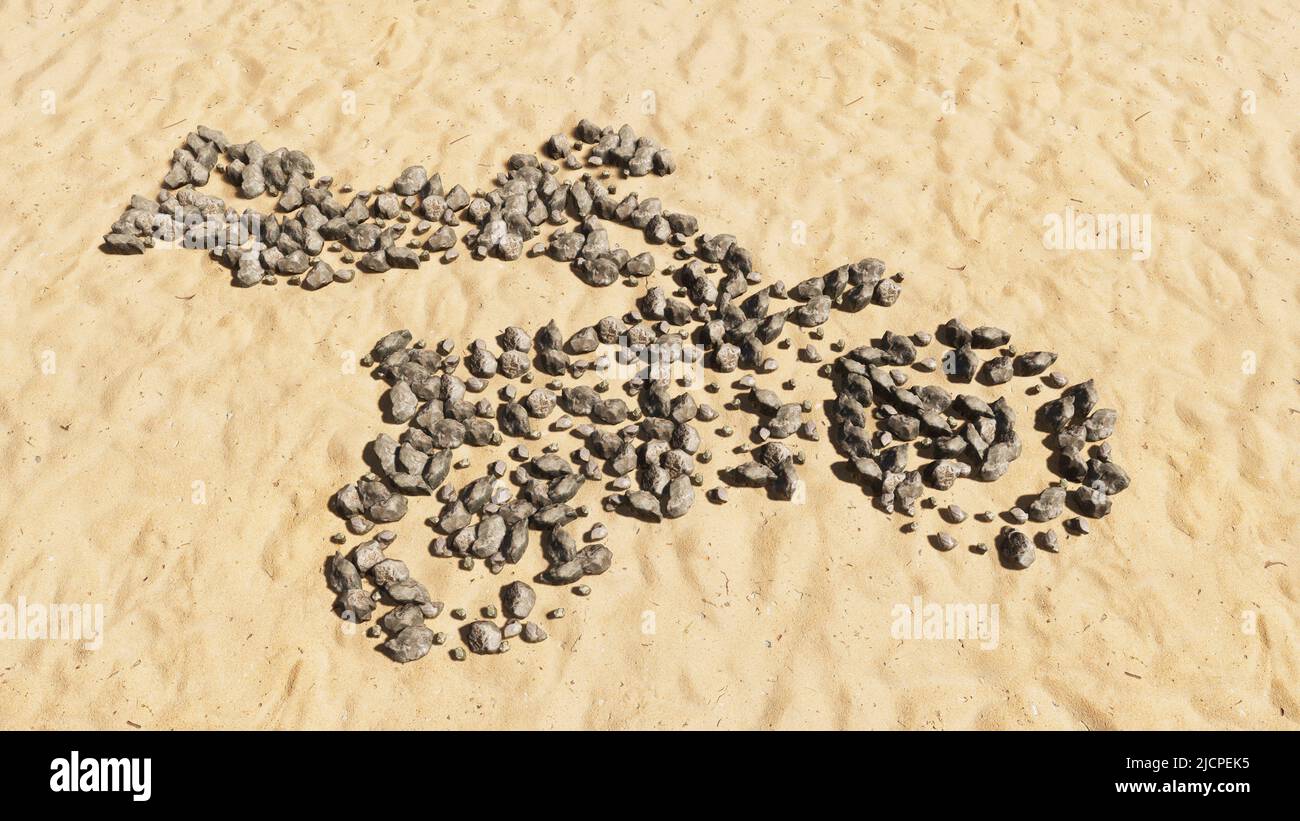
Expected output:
(311, 236)
(641, 433)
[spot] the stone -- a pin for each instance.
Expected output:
(1015, 550)
(1091, 502)
(356, 605)
(595, 559)
(411, 181)
(1101, 424)
(401, 617)
(483, 637)
(1049, 504)
(391, 509)
(118, 243)
(389, 572)
(752, 474)
(517, 600)
(814, 312)
(953, 334)
(678, 498)
(1033, 363)
(402, 401)
(343, 574)
(989, 337)
(998, 370)
(1056, 379)
(643, 504)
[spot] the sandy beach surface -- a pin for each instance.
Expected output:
(169, 441)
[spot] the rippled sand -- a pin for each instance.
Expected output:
(937, 138)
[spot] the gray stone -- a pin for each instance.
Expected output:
(402, 401)
(678, 498)
(401, 617)
(1034, 362)
(1101, 424)
(118, 243)
(1015, 550)
(489, 537)
(998, 370)
(1091, 502)
(1049, 504)
(483, 637)
(343, 574)
(752, 474)
(356, 605)
(389, 572)
(517, 600)
(989, 337)
(411, 181)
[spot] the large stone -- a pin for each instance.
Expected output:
(483, 637)
(412, 643)
(517, 600)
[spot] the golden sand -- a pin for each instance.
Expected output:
(936, 137)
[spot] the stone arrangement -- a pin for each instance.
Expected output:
(646, 447)
(309, 226)
(966, 437)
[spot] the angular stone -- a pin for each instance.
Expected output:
(1015, 550)
(483, 637)
(678, 498)
(1091, 502)
(1034, 362)
(1049, 504)
(517, 600)
(989, 337)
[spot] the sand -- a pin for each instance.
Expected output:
(935, 137)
